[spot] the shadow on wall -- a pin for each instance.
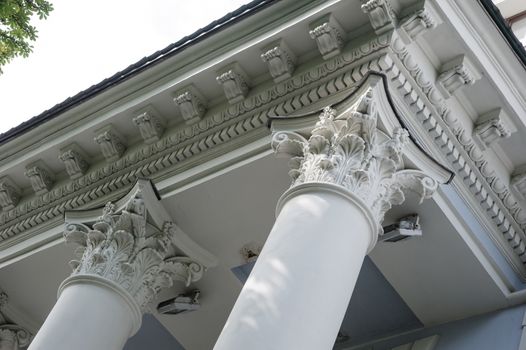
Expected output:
(152, 335)
(499, 330)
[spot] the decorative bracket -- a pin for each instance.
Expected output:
(492, 127)
(280, 60)
(40, 176)
(110, 142)
(10, 193)
(234, 81)
(74, 159)
(518, 182)
(455, 74)
(149, 124)
(191, 104)
(381, 14)
(419, 22)
(329, 36)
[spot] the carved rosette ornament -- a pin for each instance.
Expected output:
(123, 248)
(348, 150)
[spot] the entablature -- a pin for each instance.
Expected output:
(178, 114)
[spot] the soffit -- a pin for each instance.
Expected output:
(438, 276)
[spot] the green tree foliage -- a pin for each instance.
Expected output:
(16, 31)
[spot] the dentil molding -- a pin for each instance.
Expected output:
(463, 152)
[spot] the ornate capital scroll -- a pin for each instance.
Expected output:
(123, 247)
(12, 336)
(347, 148)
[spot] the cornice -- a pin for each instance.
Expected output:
(483, 37)
(225, 128)
(445, 132)
(184, 57)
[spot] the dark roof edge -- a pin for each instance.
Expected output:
(505, 29)
(132, 70)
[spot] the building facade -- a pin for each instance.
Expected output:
(296, 175)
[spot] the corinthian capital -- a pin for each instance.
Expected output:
(123, 247)
(346, 147)
(12, 335)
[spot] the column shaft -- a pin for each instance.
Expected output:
(298, 292)
(87, 316)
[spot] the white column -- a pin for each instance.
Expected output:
(89, 314)
(347, 174)
(124, 263)
(298, 291)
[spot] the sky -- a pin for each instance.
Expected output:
(83, 42)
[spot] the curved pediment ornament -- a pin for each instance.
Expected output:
(347, 147)
(128, 247)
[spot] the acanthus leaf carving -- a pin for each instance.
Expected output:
(348, 150)
(121, 247)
